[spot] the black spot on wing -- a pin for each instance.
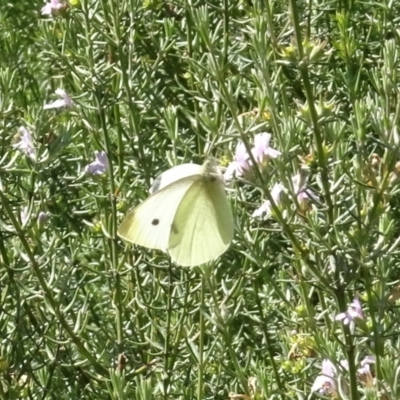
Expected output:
(155, 221)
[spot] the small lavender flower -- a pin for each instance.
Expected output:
(367, 361)
(42, 219)
(65, 101)
(364, 373)
(353, 312)
(240, 166)
(53, 8)
(266, 208)
(325, 382)
(24, 215)
(25, 143)
(261, 150)
(100, 165)
(299, 182)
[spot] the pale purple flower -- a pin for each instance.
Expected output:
(25, 143)
(353, 312)
(364, 373)
(240, 166)
(53, 7)
(368, 360)
(266, 207)
(42, 219)
(65, 101)
(98, 166)
(261, 150)
(24, 215)
(325, 382)
(299, 182)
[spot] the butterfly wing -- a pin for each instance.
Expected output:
(149, 224)
(174, 174)
(203, 225)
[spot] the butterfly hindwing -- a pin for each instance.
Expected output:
(203, 225)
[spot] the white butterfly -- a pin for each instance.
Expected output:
(187, 215)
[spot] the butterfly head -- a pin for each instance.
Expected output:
(211, 170)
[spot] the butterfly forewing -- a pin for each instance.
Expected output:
(149, 224)
(174, 174)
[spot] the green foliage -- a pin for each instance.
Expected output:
(156, 84)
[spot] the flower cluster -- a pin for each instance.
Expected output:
(303, 194)
(241, 166)
(25, 142)
(326, 382)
